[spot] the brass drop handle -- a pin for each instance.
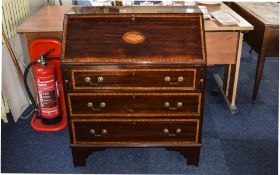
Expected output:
(167, 79)
(167, 105)
(99, 80)
(178, 131)
(180, 79)
(165, 131)
(179, 104)
(104, 131)
(93, 132)
(87, 79)
(89, 104)
(101, 105)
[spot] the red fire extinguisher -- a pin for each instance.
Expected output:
(47, 107)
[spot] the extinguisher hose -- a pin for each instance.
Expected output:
(33, 103)
(26, 71)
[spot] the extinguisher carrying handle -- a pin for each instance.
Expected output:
(47, 53)
(43, 58)
(25, 75)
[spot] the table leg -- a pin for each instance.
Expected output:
(260, 65)
(228, 87)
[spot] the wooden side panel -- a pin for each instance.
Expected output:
(32, 36)
(222, 47)
(42, 35)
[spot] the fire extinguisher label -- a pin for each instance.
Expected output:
(47, 90)
(48, 99)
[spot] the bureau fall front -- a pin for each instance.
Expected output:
(134, 77)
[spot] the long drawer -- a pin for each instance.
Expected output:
(93, 78)
(134, 104)
(136, 131)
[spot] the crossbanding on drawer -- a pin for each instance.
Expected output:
(187, 79)
(134, 104)
(136, 131)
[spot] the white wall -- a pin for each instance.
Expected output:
(12, 86)
(64, 2)
(35, 5)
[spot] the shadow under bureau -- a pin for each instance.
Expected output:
(134, 77)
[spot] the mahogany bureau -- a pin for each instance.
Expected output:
(134, 77)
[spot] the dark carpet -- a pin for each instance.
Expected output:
(246, 143)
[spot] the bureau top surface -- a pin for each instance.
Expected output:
(50, 19)
(133, 10)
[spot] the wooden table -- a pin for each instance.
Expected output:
(223, 43)
(264, 39)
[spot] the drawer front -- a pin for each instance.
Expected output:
(134, 104)
(149, 79)
(136, 131)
